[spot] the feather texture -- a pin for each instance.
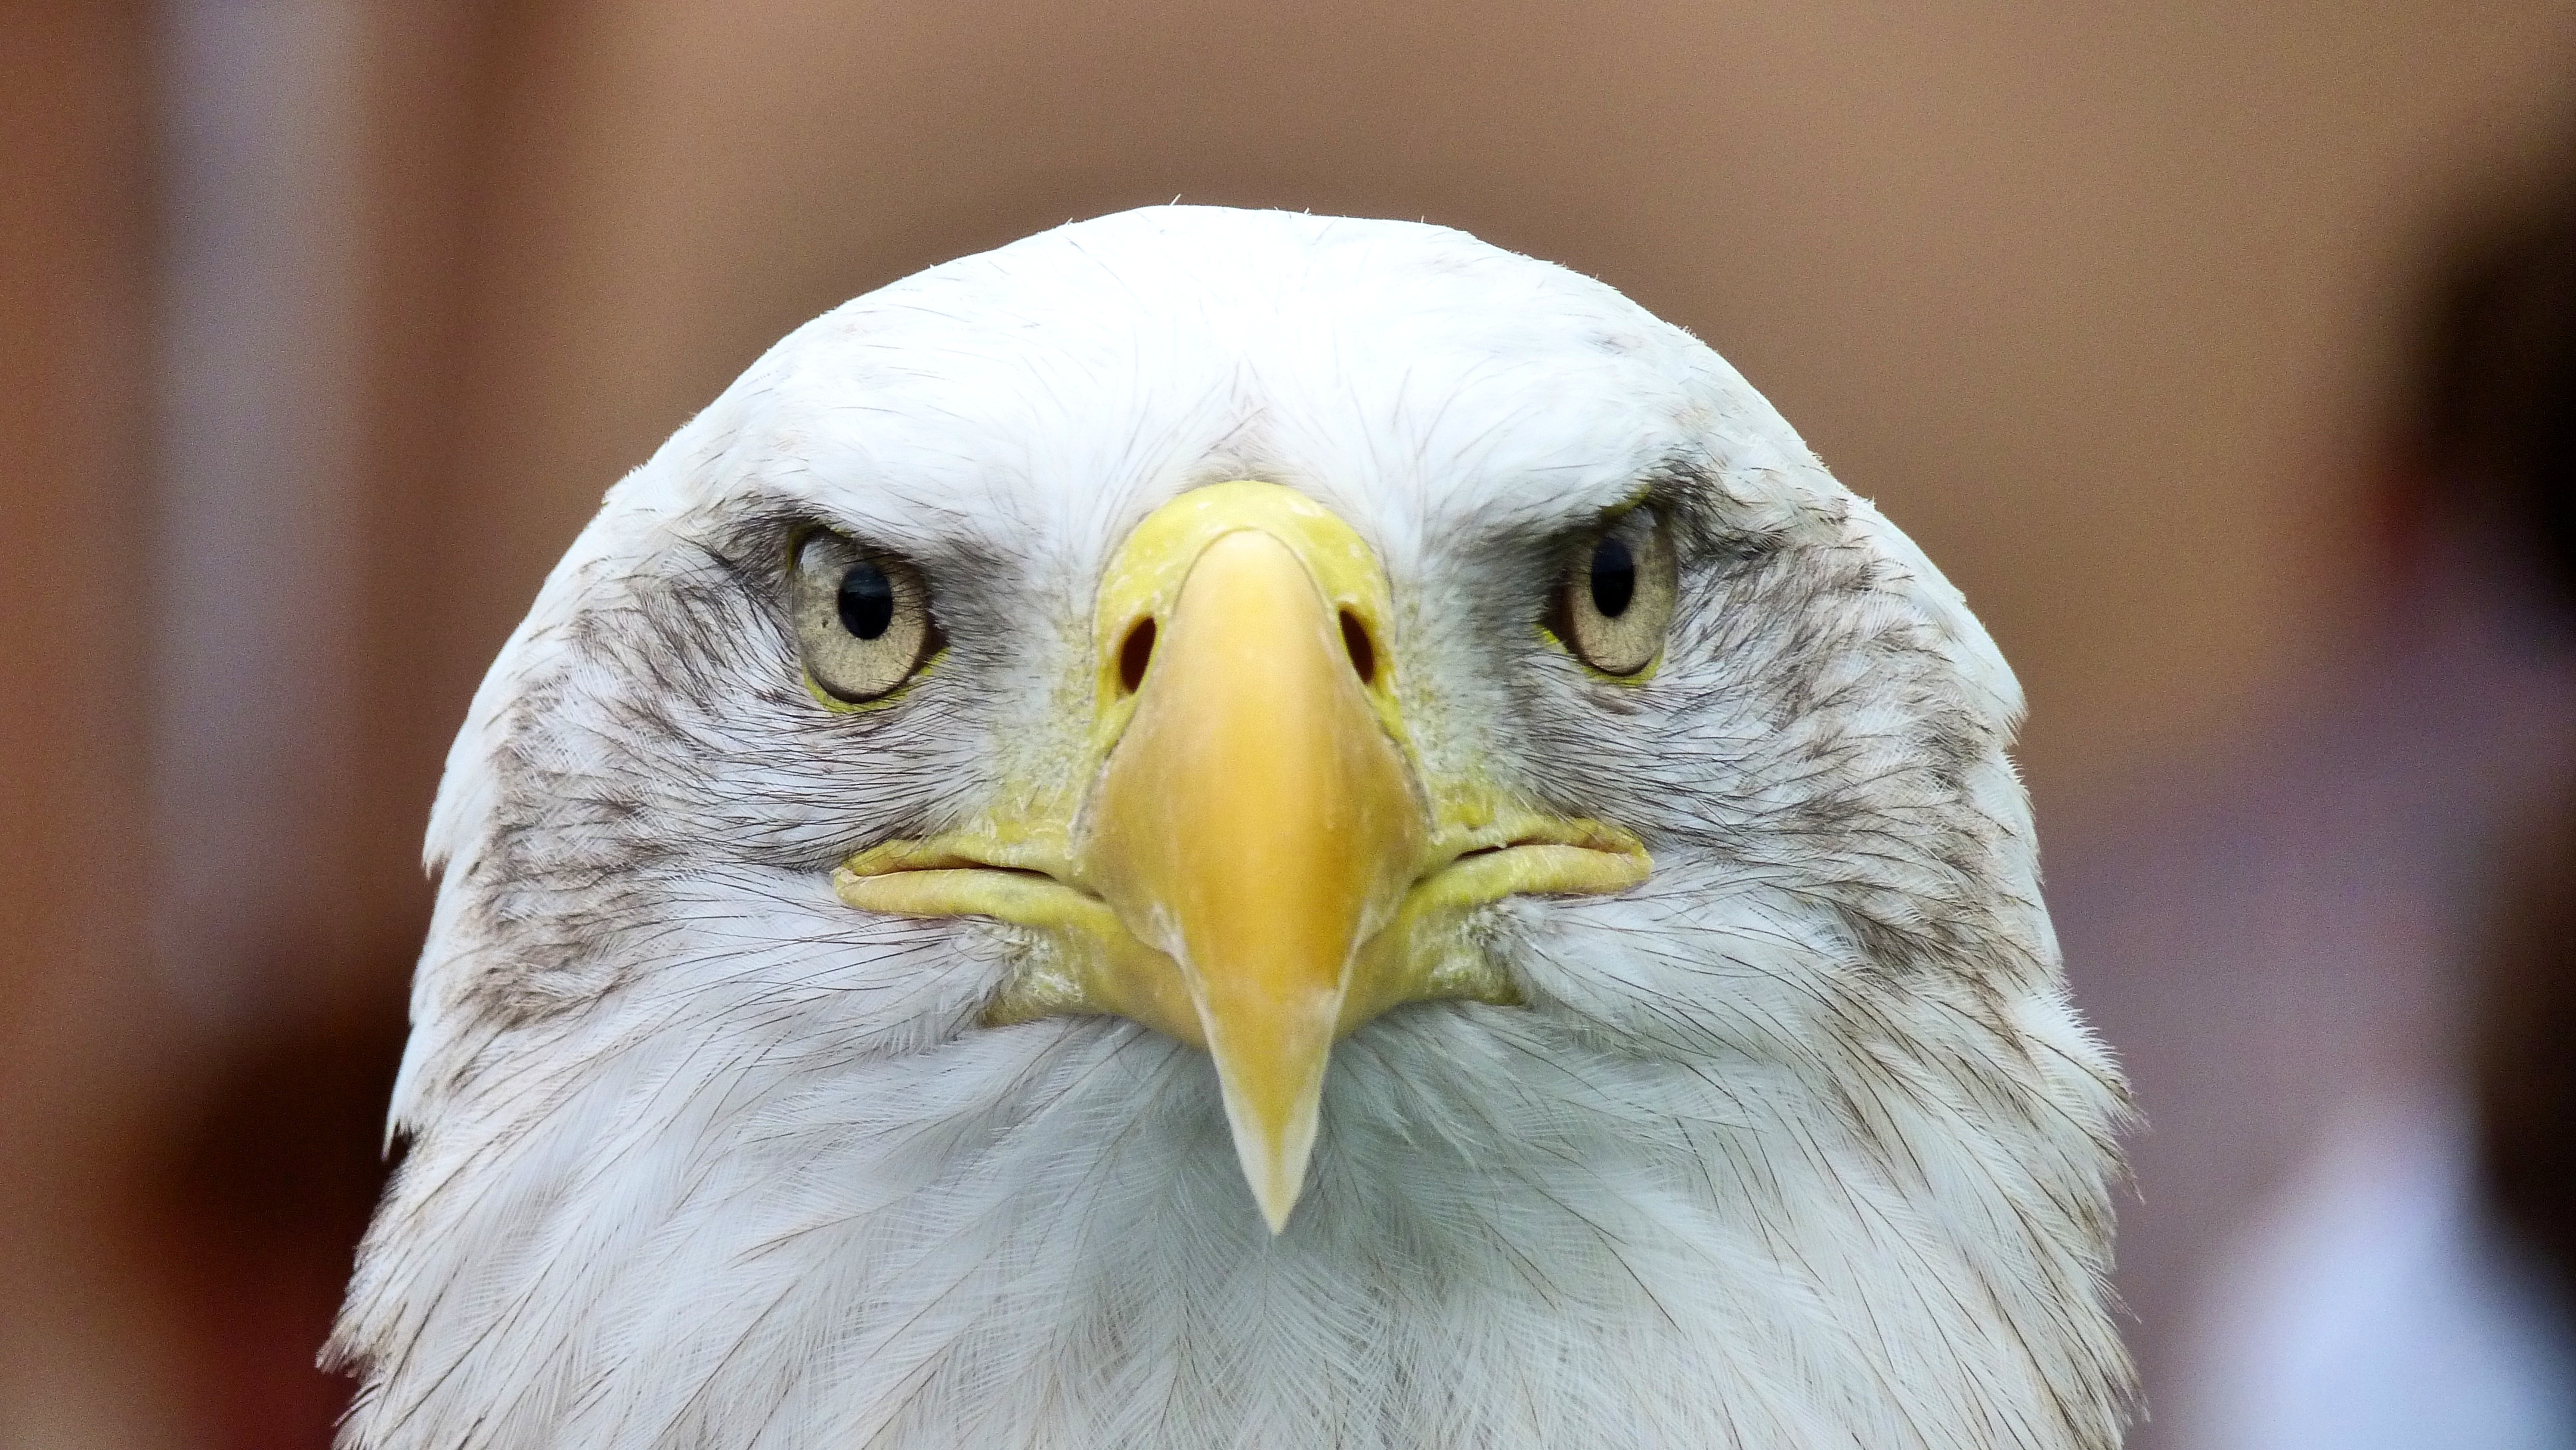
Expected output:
(1797, 1145)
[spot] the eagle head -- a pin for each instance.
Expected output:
(1240, 828)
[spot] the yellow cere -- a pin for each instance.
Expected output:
(1145, 579)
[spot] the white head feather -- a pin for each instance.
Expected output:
(1798, 1144)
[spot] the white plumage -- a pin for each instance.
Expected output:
(1795, 1144)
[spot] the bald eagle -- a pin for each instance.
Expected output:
(1228, 828)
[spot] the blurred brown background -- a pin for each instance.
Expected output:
(326, 322)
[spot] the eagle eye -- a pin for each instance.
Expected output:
(862, 618)
(1615, 603)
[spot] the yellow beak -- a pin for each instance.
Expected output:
(1256, 825)
(1256, 866)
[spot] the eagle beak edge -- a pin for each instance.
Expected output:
(1257, 824)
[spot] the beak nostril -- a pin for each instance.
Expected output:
(1135, 655)
(1355, 638)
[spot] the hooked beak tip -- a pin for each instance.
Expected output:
(1274, 1150)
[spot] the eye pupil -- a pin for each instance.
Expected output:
(1614, 578)
(866, 601)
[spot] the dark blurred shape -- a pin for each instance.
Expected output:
(2497, 415)
(2498, 430)
(265, 1186)
(2526, 1066)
